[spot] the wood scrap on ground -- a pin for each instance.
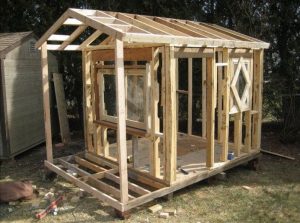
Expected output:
(277, 154)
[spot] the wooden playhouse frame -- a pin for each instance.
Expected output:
(118, 39)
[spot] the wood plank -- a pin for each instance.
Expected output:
(190, 180)
(89, 165)
(226, 108)
(219, 89)
(130, 54)
(129, 130)
(204, 87)
(132, 186)
(61, 108)
(190, 96)
(154, 152)
(72, 22)
(52, 29)
(92, 190)
(248, 122)
(121, 113)
(87, 99)
(72, 37)
(170, 129)
(55, 37)
(159, 26)
(46, 102)
(210, 108)
(257, 97)
(237, 133)
(90, 39)
(140, 24)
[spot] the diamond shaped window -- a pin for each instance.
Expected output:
(240, 85)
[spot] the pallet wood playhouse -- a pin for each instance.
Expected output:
(150, 69)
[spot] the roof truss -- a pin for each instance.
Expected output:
(134, 29)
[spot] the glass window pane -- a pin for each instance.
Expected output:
(135, 98)
(110, 94)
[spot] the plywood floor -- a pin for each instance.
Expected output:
(191, 155)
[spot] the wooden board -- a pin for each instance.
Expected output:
(61, 108)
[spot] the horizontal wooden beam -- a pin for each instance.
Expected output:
(131, 54)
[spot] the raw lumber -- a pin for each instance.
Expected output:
(155, 208)
(277, 154)
(164, 215)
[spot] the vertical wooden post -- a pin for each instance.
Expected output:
(121, 112)
(225, 112)
(204, 97)
(154, 151)
(170, 133)
(237, 133)
(257, 96)
(190, 95)
(87, 99)
(248, 117)
(219, 82)
(46, 102)
(210, 108)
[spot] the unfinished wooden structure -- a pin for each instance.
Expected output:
(134, 68)
(20, 93)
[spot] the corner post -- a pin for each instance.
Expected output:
(46, 101)
(121, 112)
(257, 97)
(170, 133)
(210, 110)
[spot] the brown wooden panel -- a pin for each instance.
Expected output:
(131, 54)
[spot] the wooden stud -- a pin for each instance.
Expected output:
(225, 111)
(190, 96)
(210, 108)
(204, 97)
(248, 122)
(219, 89)
(237, 133)
(154, 150)
(121, 112)
(257, 97)
(170, 133)
(87, 99)
(46, 102)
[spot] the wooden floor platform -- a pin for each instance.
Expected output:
(99, 176)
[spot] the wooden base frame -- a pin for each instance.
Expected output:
(99, 176)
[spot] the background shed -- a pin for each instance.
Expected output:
(21, 106)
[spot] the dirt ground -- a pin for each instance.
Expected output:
(272, 194)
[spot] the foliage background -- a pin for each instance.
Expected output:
(276, 22)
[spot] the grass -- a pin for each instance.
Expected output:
(274, 195)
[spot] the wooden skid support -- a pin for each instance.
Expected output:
(210, 111)
(257, 97)
(121, 112)
(170, 132)
(46, 102)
